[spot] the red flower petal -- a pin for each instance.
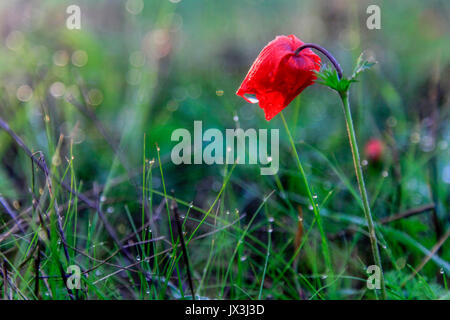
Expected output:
(277, 76)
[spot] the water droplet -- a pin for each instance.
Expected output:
(251, 97)
(300, 219)
(384, 174)
(443, 145)
(415, 137)
(324, 276)
(441, 271)
(134, 6)
(94, 97)
(79, 58)
(98, 273)
(391, 121)
(271, 219)
(315, 196)
(110, 210)
(236, 118)
(243, 258)
(270, 230)
(138, 258)
(24, 93)
(364, 162)
(102, 199)
(310, 207)
(228, 212)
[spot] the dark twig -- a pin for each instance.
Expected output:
(92, 204)
(58, 215)
(174, 208)
(5, 280)
(11, 213)
(37, 161)
(395, 217)
(37, 263)
(408, 213)
(427, 258)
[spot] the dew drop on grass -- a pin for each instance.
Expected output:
(443, 145)
(251, 97)
(138, 258)
(271, 219)
(98, 273)
(324, 276)
(236, 118)
(315, 196)
(243, 258)
(441, 271)
(310, 207)
(228, 212)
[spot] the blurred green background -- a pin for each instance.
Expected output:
(140, 68)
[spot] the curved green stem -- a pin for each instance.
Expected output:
(325, 249)
(362, 188)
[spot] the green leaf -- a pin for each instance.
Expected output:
(329, 77)
(361, 65)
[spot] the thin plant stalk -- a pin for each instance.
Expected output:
(356, 160)
(325, 248)
(362, 189)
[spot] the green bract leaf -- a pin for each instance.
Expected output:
(361, 65)
(329, 77)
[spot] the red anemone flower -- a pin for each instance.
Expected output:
(374, 150)
(278, 75)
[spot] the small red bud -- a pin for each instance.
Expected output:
(374, 150)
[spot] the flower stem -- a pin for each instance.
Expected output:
(362, 188)
(315, 208)
(330, 57)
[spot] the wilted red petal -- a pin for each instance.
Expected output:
(277, 76)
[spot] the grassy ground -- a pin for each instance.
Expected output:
(86, 177)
